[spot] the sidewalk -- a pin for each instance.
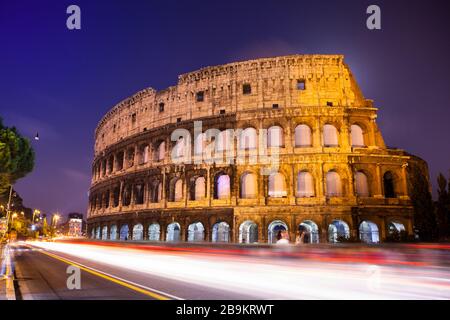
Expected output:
(6, 275)
(2, 280)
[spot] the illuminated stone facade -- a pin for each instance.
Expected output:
(336, 177)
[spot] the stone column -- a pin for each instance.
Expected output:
(378, 191)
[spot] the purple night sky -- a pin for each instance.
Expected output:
(60, 83)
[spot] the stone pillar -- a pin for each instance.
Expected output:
(120, 194)
(378, 191)
(405, 180)
(208, 186)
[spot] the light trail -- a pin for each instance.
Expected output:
(270, 278)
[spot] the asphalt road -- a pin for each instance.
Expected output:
(149, 272)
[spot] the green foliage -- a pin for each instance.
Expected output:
(443, 208)
(16, 157)
(424, 215)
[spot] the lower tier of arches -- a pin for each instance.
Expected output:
(256, 225)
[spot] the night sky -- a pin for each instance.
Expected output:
(60, 83)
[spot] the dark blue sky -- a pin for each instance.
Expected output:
(60, 82)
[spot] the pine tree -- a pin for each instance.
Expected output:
(421, 199)
(442, 214)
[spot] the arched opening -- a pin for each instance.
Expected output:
(116, 194)
(396, 227)
(303, 137)
(330, 136)
(338, 230)
(124, 232)
(249, 186)
(305, 185)
(93, 233)
(361, 184)
(199, 144)
(179, 148)
(173, 232)
(388, 183)
(277, 185)
(105, 233)
(126, 195)
(176, 190)
(196, 232)
(155, 191)
(356, 136)
(248, 232)
(97, 233)
(368, 232)
(248, 139)
(221, 232)
(200, 188)
(333, 184)
(154, 231)
(275, 137)
(310, 231)
(138, 232)
(110, 164)
(130, 157)
(113, 232)
(277, 230)
(119, 161)
(224, 141)
(222, 186)
(139, 193)
(144, 153)
(161, 151)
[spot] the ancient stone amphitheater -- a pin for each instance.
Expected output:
(250, 152)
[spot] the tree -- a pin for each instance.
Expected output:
(421, 199)
(442, 208)
(16, 157)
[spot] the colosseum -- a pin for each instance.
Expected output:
(246, 151)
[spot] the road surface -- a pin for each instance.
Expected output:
(114, 271)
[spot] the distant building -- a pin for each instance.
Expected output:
(74, 225)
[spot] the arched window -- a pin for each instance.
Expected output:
(361, 184)
(155, 191)
(330, 136)
(154, 232)
(334, 186)
(161, 151)
(248, 232)
(139, 193)
(200, 144)
(275, 137)
(388, 183)
(224, 141)
(277, 185)
(368, 232)
(179, 148)
(221, 232)
(130, 157)
(116, 194)
(126, 195)
(222, 187)
(356, 135)
(249, 186)
(176, 189)
(277, 230)
(143, 154)
(200, 188)
(105, 233)
(305, 185)
(196, 232)
(173, 232)
(97, 233)
(310, 231)
(303, 136)
(338, 230)
(395, 227)
(124, 232)
(138, 232)
(248, 139)
(113, 232)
